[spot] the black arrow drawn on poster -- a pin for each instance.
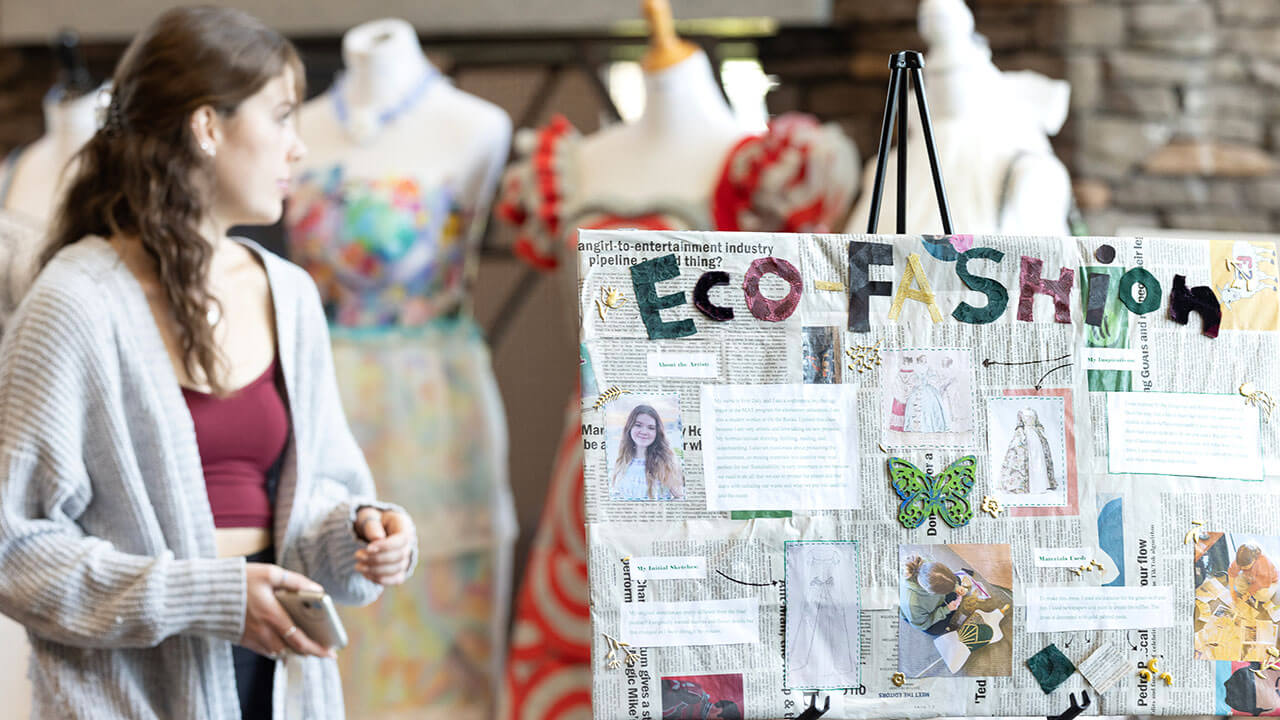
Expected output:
(1132, 644)
(740, 582)
(1040, 382)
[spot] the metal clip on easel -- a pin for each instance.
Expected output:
(812, 712)
(1075, 709)
(902, 66)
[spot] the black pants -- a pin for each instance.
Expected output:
(944, 625)
(254, 673)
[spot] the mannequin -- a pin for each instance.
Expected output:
(686, 128)
(34, 174)
(684, 164)
(30, 181)
(991, 130)
(387, 216)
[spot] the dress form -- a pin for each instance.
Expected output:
(40, 171)
(992, 133)
(446, 135)
(28, 195)
(685, 164)
(678, 145)
(400, 171)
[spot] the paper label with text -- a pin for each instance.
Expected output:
(699, 622)
(669, 568)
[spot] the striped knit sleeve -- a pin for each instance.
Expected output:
(63, 584)
(342, 483)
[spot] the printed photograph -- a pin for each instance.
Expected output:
(822, 615)
(1247, 688)
(927, 398)
(820, 356)
(1236, 610)
(1027, 450)
(955, 610)
(645, 446)
(1245, 276)
(702, 697)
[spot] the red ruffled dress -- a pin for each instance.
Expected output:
(798, 176)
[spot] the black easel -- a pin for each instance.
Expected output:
(903, 65)
(74, 77)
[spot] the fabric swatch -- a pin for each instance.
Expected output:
(1050, 667)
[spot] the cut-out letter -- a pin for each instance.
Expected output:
(914, 274)
(1182, 302)
(702, 295)
(862, 255)
(1096, 302)
(1151, 286)
(645, 277)
(761, 306)
(997, 295)
(1032, 283)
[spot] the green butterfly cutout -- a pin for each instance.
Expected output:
(947, 495)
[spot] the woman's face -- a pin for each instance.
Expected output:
(255, 152)
(644, 431)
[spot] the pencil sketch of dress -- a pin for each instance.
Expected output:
(926, 409)
(1028, 463)
(824, 635)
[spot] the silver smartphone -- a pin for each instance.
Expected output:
(314, 614)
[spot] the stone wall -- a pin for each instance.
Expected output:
(1177, 113)
(1175, 107)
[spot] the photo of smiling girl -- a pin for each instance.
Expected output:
(645, 465)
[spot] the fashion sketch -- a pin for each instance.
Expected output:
(822, 615)
(1028, 463)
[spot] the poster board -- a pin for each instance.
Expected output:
(790, 456)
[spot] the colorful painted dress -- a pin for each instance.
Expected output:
(390, 258)
(798, 176)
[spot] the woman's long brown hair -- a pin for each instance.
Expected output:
(660, 467)
(142, 175)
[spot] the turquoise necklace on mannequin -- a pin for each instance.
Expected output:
(364, 124)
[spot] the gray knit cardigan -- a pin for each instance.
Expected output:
(106, 535)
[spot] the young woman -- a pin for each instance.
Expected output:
(172, 448)
(646, 468)
(929, 595)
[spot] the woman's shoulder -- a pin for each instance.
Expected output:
(76, 279)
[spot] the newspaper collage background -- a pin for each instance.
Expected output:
(745, 547)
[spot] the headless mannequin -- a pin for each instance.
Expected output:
(394, 115)
(991, 130)
(34, 182)
(678, 146)
(445, 135)
(39, 172)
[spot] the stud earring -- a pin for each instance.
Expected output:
(208, 148)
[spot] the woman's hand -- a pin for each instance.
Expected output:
(391, 537)
(268, 629)
(954, 603)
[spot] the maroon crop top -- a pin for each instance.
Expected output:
(240, 437)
